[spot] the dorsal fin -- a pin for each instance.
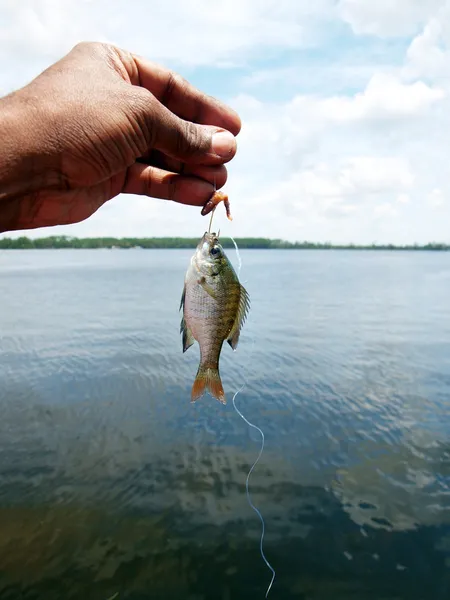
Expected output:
(244, 307)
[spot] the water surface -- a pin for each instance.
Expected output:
(111, 482)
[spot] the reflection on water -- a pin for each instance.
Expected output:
(113, 485)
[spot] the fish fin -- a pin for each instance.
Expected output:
(188, 338)
(183, 296)
(207, 288)
(244, 306)
(208, 379)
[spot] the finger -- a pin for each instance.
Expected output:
(181, 97)
(216, 174)
(145, 180)
(182, 140)
(177, 94)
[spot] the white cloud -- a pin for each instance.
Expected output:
(436, 198)
(385, 210)
(286, 135)
(425, 56)
(384, 97)
(296, 127)
(429, 52)
(47, 27)
(386, 18)
(356, 176)
(190, 32)
(330, 74)
(316, 167)
(339, 189)
(368, 174)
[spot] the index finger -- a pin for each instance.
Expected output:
(182, 98)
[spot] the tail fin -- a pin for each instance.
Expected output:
(208, 379)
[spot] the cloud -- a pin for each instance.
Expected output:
(47, 27)
(345, 108)
(318, 165)
(385, 210)
(425, 56)
(369, 174)
(386, 18)
(298, 126)
(428, 54)
(385, 97)
(436, 198)
(289, 135)
(189, 32)
(339, 189)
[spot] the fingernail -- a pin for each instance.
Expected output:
(207, 208)
(223, 143)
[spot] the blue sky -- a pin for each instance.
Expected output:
(344, 104)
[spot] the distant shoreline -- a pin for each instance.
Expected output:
(63, 242)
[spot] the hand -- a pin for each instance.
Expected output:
(101, 122)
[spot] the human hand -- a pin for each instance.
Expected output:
(101, 122)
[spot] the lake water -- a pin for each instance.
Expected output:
(113, 485)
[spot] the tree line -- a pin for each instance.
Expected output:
(62, 241)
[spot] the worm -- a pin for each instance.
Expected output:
(216, 199)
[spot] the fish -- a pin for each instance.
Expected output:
(215, 307)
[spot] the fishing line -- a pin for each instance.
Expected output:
(210, 221)
(214, 209)
(258, 457)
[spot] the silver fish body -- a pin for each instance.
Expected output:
(215, 306)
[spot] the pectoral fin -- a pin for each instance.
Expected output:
(244, 306)
(208, 289)
(188, 338)
(183, 296)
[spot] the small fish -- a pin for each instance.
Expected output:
(215, 306)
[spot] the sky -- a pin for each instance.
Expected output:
(344, 104)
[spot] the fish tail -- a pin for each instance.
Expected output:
(208, 378)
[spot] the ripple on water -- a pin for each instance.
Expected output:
(111, 478)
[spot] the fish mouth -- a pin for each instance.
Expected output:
(210, 238)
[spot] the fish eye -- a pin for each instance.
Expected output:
(215, 250)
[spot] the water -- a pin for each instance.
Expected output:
(113, 485)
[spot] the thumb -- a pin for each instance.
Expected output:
(187, 141)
